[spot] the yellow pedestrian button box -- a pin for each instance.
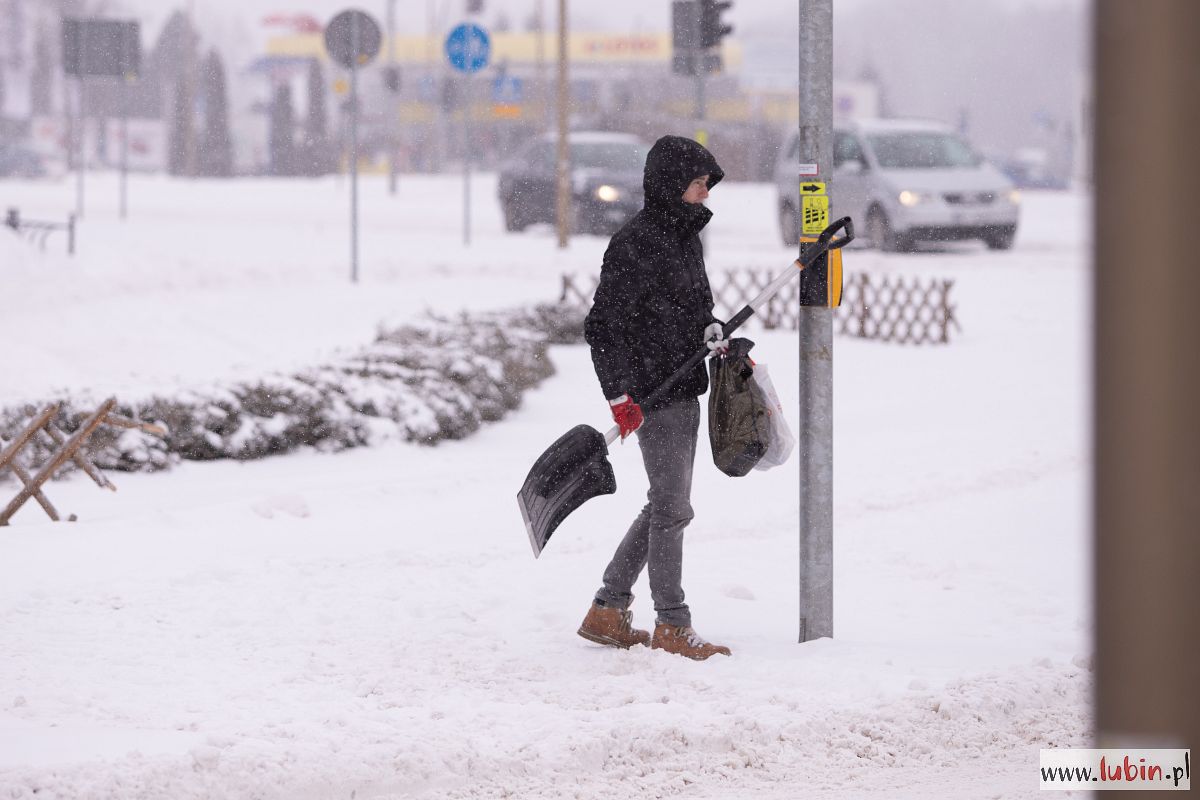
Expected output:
(821, 283)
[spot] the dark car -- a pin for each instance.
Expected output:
(20, 162)
(606, 182)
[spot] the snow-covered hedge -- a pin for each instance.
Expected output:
(439, 378)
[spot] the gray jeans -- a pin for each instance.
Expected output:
(667, 439)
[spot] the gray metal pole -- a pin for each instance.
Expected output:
(81, 156)
(436, 71)
(816, 340)
(701, 132)
(543, 104)
(354, 149)
(394, 112)
(124, 147)
(562, 179)
(467, 159)
(189, 71)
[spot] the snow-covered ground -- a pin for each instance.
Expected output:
(372, 624)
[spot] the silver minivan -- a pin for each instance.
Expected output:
(904, 181)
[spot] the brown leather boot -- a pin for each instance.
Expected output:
(684, 642)
(612, 627)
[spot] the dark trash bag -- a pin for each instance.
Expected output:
(739, 422)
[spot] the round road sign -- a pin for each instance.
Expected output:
(353, 38)
(468, 48)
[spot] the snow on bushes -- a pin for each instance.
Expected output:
(439, 378)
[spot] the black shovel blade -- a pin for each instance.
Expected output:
(572, 471)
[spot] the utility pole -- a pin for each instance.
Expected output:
(563, 160)
(816, 337)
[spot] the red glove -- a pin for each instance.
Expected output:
(627, 414)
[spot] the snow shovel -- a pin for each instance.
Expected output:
(575, 468)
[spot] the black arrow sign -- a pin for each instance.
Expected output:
(812, 188)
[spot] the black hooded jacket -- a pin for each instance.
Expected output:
(654, 302)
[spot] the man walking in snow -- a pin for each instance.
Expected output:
(652, 311)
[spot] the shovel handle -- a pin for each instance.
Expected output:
(826, 236)
(613, 434)
(825, 242)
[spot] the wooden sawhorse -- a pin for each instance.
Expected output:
(68, 450)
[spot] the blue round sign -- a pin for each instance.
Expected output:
(468, 48)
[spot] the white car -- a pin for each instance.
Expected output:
(903, 181)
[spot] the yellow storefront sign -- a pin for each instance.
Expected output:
(520, 48)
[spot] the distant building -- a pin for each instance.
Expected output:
(16, 68)
(617, 82)
(39, 105)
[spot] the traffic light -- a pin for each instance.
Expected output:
(696, 28)
(712, 29)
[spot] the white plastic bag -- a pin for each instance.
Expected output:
(781, 440)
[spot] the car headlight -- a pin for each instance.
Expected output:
(1014, 196)
(608, 194)
(908, 198)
